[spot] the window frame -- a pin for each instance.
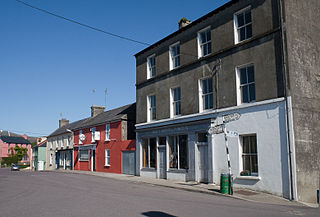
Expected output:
(151, 110)
(107, 156)
(80, 133)
(93, 132)
(200, 44)
(239, 85)
(108, 132)
(202, 96)
(176, 149)
(173, 59)
(255, 174)
(151, 67)
(146, 155)
(80, 157)
(237, 28)
(174, 103)
(62, 143)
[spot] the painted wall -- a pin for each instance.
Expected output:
(116, 146)
(5, 147)
(268, 122)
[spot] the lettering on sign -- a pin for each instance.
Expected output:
(216, 129)
(230, 117)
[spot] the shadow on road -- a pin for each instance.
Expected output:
(157, 214)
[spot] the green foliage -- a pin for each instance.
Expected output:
(15, 155)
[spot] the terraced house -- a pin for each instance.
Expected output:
(257, 59)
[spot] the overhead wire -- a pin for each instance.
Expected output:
(82, 24)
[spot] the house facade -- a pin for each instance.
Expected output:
(39, 156)
(59, 149)
(105, 142)
(238, 60)
(9, 142)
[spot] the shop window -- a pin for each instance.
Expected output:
(178, 152)
(149, 153)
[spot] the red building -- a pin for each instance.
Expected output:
(105, 142)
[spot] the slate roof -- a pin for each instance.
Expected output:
(108, 116)
(70, 126)
(14, 140)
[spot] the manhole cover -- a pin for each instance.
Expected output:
(246, 193)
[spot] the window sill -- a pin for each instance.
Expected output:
(172, 170)
(148, 169)
(107, 165)
(254, 178)
(107, 140)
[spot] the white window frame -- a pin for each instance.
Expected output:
(172, 58)
(107, 158)
(62, 143)
(57, 142)
(241, 152)
(68, 141)
(50, 142)
(150, 67)
(80, 133)
(51, 158)
(200, 45)
(201, 101)
(236, 28)
(238, 84)
(150, 109)
(174, 103)
(93, 132)
(108, 130)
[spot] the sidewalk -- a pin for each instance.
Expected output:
(243, 194)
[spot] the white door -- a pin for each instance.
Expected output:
(40, 165)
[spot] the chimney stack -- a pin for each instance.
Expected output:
(63, 122)
(97, 109)
(183, 22)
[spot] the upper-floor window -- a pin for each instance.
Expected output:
(151, 69)
(152, 108)
(175, 102)
(204, 42)
(93, 134)
(62, 142)
(51, 144)
(205, 94)
(68, 140)
(80, 136)
(246, 86)
(107, 132)
(243, 25)
(174, 56)
(57, 142)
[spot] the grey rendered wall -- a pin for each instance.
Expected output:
(303, 46)
(262, 50)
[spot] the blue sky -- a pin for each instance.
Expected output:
(49, 67)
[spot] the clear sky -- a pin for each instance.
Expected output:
(49, 66)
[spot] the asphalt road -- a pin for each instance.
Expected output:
(46, 194)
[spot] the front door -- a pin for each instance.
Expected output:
(162, 163)
(203, 163)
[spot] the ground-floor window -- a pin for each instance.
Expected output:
(250, 154)
(149, 153)
(84, 155)
(107, 157)
(178, 152)
(51, 158)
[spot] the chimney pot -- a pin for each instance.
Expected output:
(183, 22)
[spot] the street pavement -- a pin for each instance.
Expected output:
(46, 194)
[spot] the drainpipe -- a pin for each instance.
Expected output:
(287, 94)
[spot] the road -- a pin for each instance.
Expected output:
(46, 194)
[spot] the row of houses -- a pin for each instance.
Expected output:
(254, 59)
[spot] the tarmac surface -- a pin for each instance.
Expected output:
(78, 193)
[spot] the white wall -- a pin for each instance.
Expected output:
(268, 122)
